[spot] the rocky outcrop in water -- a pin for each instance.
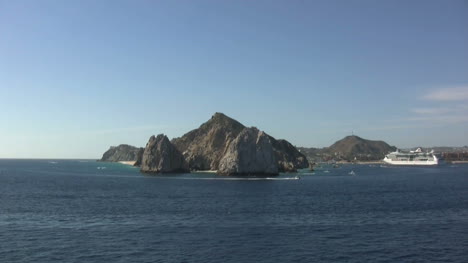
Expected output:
(123, 152)
(160, 156)
(288, 157)
(139, 157)
(251, 152)
(204, 147)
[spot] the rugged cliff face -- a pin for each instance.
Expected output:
(251, 152)
(123, 152)
(160, 156)
(204, 147)
(289, 158)
(139, 157)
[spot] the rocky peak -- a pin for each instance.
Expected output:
(221, 120)
(203, 147)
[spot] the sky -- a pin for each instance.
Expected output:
(79, 76)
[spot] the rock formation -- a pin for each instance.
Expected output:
(288, 157)
(139, 157)
(251, 152)
(123, 152)
(160, 156)
(204, 147)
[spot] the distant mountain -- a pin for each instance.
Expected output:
(123, 152)
(312, 154)
(350, 148)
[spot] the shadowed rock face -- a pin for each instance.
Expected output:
(289, 158)
(139, 157)
(204, 147)
(160, 156)
(123, 152)
(250, 153)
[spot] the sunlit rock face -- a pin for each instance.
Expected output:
(251, 153)
(160, 156)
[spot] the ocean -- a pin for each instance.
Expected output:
(87, 211)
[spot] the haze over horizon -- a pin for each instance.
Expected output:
(77, 77)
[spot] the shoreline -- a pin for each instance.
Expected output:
(204, 172)
(131, 163)
(371, 162)
(457, 162)
(356, 162)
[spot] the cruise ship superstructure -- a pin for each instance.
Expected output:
(417, 157)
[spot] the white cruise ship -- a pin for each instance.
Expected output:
(417, 157)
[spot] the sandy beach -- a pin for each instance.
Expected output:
(128, 162)
(205, 171)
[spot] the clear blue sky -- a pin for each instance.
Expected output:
(79, 76)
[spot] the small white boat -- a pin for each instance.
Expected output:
(352, 173)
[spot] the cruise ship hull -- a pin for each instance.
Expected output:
(411, 163)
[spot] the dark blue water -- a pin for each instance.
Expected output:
(77, 211)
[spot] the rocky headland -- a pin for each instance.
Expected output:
(221, 144)
(123, 152)
(289, 158)
(204, 147)
(160, 156)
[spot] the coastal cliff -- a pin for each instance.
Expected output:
(242, 150)
(160, 156)
(204, 147)
(288, 157)
(250, 153)
(123, 152)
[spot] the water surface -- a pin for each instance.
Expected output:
(85, 211)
